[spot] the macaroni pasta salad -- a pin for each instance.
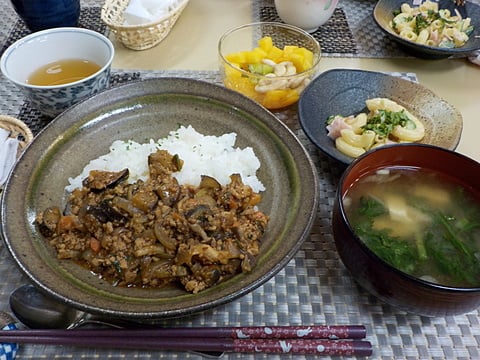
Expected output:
(428, 25)
(386, 122)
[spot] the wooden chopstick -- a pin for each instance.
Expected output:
(320, 340)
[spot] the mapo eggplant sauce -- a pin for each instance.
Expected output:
(157, 232)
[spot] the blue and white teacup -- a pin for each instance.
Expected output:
(30, 53)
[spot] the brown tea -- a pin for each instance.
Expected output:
(62, 72)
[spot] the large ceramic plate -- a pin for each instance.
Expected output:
(140, 111)
(383, 14)
(344, 92)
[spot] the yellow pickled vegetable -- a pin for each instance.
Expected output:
(265, 43)
(255, 56)
(244, 86)
(262, 60)
(275, 54)
(236, 58)
(302, 59)
(277, 99)
(232, 72)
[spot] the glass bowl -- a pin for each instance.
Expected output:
(269, 62)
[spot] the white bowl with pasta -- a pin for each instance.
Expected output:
(431, 29)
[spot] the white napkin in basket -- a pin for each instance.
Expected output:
(140, 12)
(8, 154)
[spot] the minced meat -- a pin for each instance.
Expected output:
(158, 232)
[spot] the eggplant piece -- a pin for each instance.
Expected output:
(156, 273)
(207, 188)
(177, 162)
(98, 180)
(210, 274)
(208, 182)
(106, 213)
(198, 213)
(47, 221)
(169, 191)
(164, 237)
(144, 200)
(248, 262)
(127, 206)
(198, 219)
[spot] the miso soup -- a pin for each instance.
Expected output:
(419, 221)
(62, 72)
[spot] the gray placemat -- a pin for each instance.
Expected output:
(334, 37)
(89, 19)
(350, 32)
(314, 287)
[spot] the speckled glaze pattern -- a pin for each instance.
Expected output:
(344, 91)
(375, 275)
(383, 14)
(141, 111)
(53, 101)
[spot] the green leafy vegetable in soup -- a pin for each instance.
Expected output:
(419, 222)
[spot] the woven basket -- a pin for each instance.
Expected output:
(138, 37)
(18, 130)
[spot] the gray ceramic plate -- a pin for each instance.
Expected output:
(140, 111)
(344, 91)
(383, 14)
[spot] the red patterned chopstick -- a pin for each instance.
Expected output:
(291, 346)
(245, 332)
(301, 346)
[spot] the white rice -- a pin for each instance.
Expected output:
(202, 155)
